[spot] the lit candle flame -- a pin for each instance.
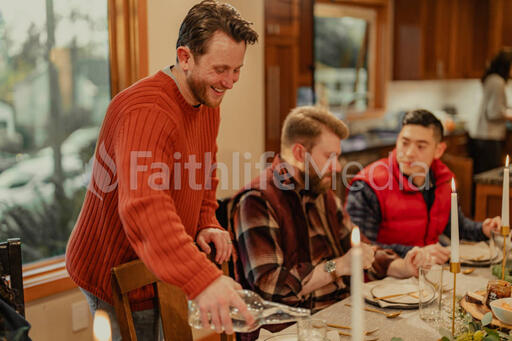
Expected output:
(506, 162)
(356, 236)
(101, 326)
(453, 185)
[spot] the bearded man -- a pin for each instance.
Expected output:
(291, 234)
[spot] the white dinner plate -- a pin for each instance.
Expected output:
(284, 337)
(479, 252)
(386, 289)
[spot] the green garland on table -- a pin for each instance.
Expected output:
(476, 331)
(496, 271)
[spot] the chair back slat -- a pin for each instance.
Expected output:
(11, 266)
(128, 281)
(172, 302)
(174, 310)
(123, 311)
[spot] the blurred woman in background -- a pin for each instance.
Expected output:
(489, 128)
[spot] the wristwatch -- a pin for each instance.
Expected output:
(330, 267)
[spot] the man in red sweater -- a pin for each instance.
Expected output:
(152, 193)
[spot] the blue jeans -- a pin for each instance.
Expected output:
(147, 326)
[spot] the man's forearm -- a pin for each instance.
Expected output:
(318, 278)
(398, 269)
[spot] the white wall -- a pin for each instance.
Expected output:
(242, 110)
(464, 94)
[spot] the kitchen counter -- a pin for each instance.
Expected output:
(375, 140)
(490, 177)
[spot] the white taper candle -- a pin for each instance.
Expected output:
(505, 205)
(454, 225)
(356, 287)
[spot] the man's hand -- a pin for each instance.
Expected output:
(216, 300)
(437, 254)
(408, 266)
(220, 239)
(343, 264)
(491, 224)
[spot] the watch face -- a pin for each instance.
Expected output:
(330, 266)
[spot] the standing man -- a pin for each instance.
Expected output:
(152, 194)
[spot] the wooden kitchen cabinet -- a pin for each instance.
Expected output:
(281, 18)
(422, 38)
(448, 39)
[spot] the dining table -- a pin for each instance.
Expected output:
(407, 325)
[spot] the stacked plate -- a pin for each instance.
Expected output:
(395, 293)
(479, 254)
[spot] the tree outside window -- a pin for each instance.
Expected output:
(54, 90)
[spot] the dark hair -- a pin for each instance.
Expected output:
(499, 65)
(206, 18)
(304, 125)
(426, 119)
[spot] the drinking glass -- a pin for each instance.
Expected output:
(311, 330)
(430, 283)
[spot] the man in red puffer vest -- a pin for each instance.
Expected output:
(404, 200)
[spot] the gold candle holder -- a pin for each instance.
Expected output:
(454, 268)
(505, 230)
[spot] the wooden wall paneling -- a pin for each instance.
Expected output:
(281, 66)
(306, 43)
(488, 201)
(281, 88)
(462, 167)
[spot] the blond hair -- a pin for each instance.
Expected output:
(304, 125)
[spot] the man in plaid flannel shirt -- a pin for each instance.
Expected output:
(291, 234)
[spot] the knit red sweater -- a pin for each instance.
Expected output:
(147, 198)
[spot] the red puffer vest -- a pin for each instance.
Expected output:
(405, 218)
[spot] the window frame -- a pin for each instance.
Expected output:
(128, 57)
(382, 56)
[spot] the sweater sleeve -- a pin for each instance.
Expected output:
(258, 238)
(209, 204)
(144, 146)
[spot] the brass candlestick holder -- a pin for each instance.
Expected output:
(505, 230)
(454, 268)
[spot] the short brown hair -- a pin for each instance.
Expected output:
(425, 119)
(206, 18)
(304, 125)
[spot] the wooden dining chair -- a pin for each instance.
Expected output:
(11, 274)
(170, 300)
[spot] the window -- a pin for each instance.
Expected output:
(92, 57)
(54, 89)
(344, 50)
(352, 56)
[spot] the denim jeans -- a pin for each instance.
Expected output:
(147, 326)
